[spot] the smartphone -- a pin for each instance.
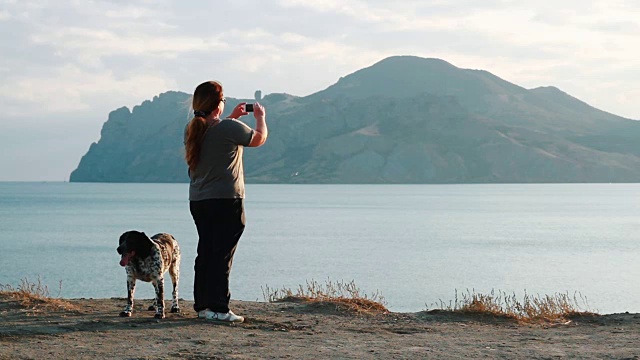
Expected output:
(248, 108)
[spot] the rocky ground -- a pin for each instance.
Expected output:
(92, 329)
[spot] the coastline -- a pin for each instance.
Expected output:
(91, 328)
(542, 239)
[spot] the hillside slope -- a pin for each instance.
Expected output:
(402, 120)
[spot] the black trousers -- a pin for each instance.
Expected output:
(220, 224)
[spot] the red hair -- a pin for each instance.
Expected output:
(206, 98)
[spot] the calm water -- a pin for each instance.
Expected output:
(416, 244)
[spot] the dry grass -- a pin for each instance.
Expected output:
(345, 296)
(35, 296)
(556, 308)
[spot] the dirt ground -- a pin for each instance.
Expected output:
(92, 329)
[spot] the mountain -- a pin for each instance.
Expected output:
(404, 119)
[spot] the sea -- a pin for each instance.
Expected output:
(419, 247)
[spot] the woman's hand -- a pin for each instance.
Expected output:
(258, 111)
(238, 111)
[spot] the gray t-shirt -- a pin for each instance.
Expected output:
(219, 173)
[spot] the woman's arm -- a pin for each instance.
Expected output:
(261, 132)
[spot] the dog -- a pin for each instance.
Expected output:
(148, 259)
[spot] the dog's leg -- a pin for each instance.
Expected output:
(154, 304)
(131, 288)
(159, 285)
(174, 271)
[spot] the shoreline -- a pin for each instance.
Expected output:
(390, 310)
(91, 328)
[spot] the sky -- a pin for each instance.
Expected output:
(66, 64)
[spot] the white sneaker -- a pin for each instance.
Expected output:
(224, 317)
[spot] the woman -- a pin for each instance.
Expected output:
(214, 150)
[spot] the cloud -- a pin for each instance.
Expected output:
(72, 88)
(83, 66)
(314, 42)
(88, 46)
(83, 58)
(619, 27)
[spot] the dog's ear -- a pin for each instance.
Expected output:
(141, 244)
(123, 237)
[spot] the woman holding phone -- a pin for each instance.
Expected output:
(214, 149)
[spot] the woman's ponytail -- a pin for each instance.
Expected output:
(195, 133)
(206, 98)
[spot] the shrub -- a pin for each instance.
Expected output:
(34, 296)
(559, 307)
(344, 295)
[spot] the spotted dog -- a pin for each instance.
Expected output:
(147, 259)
